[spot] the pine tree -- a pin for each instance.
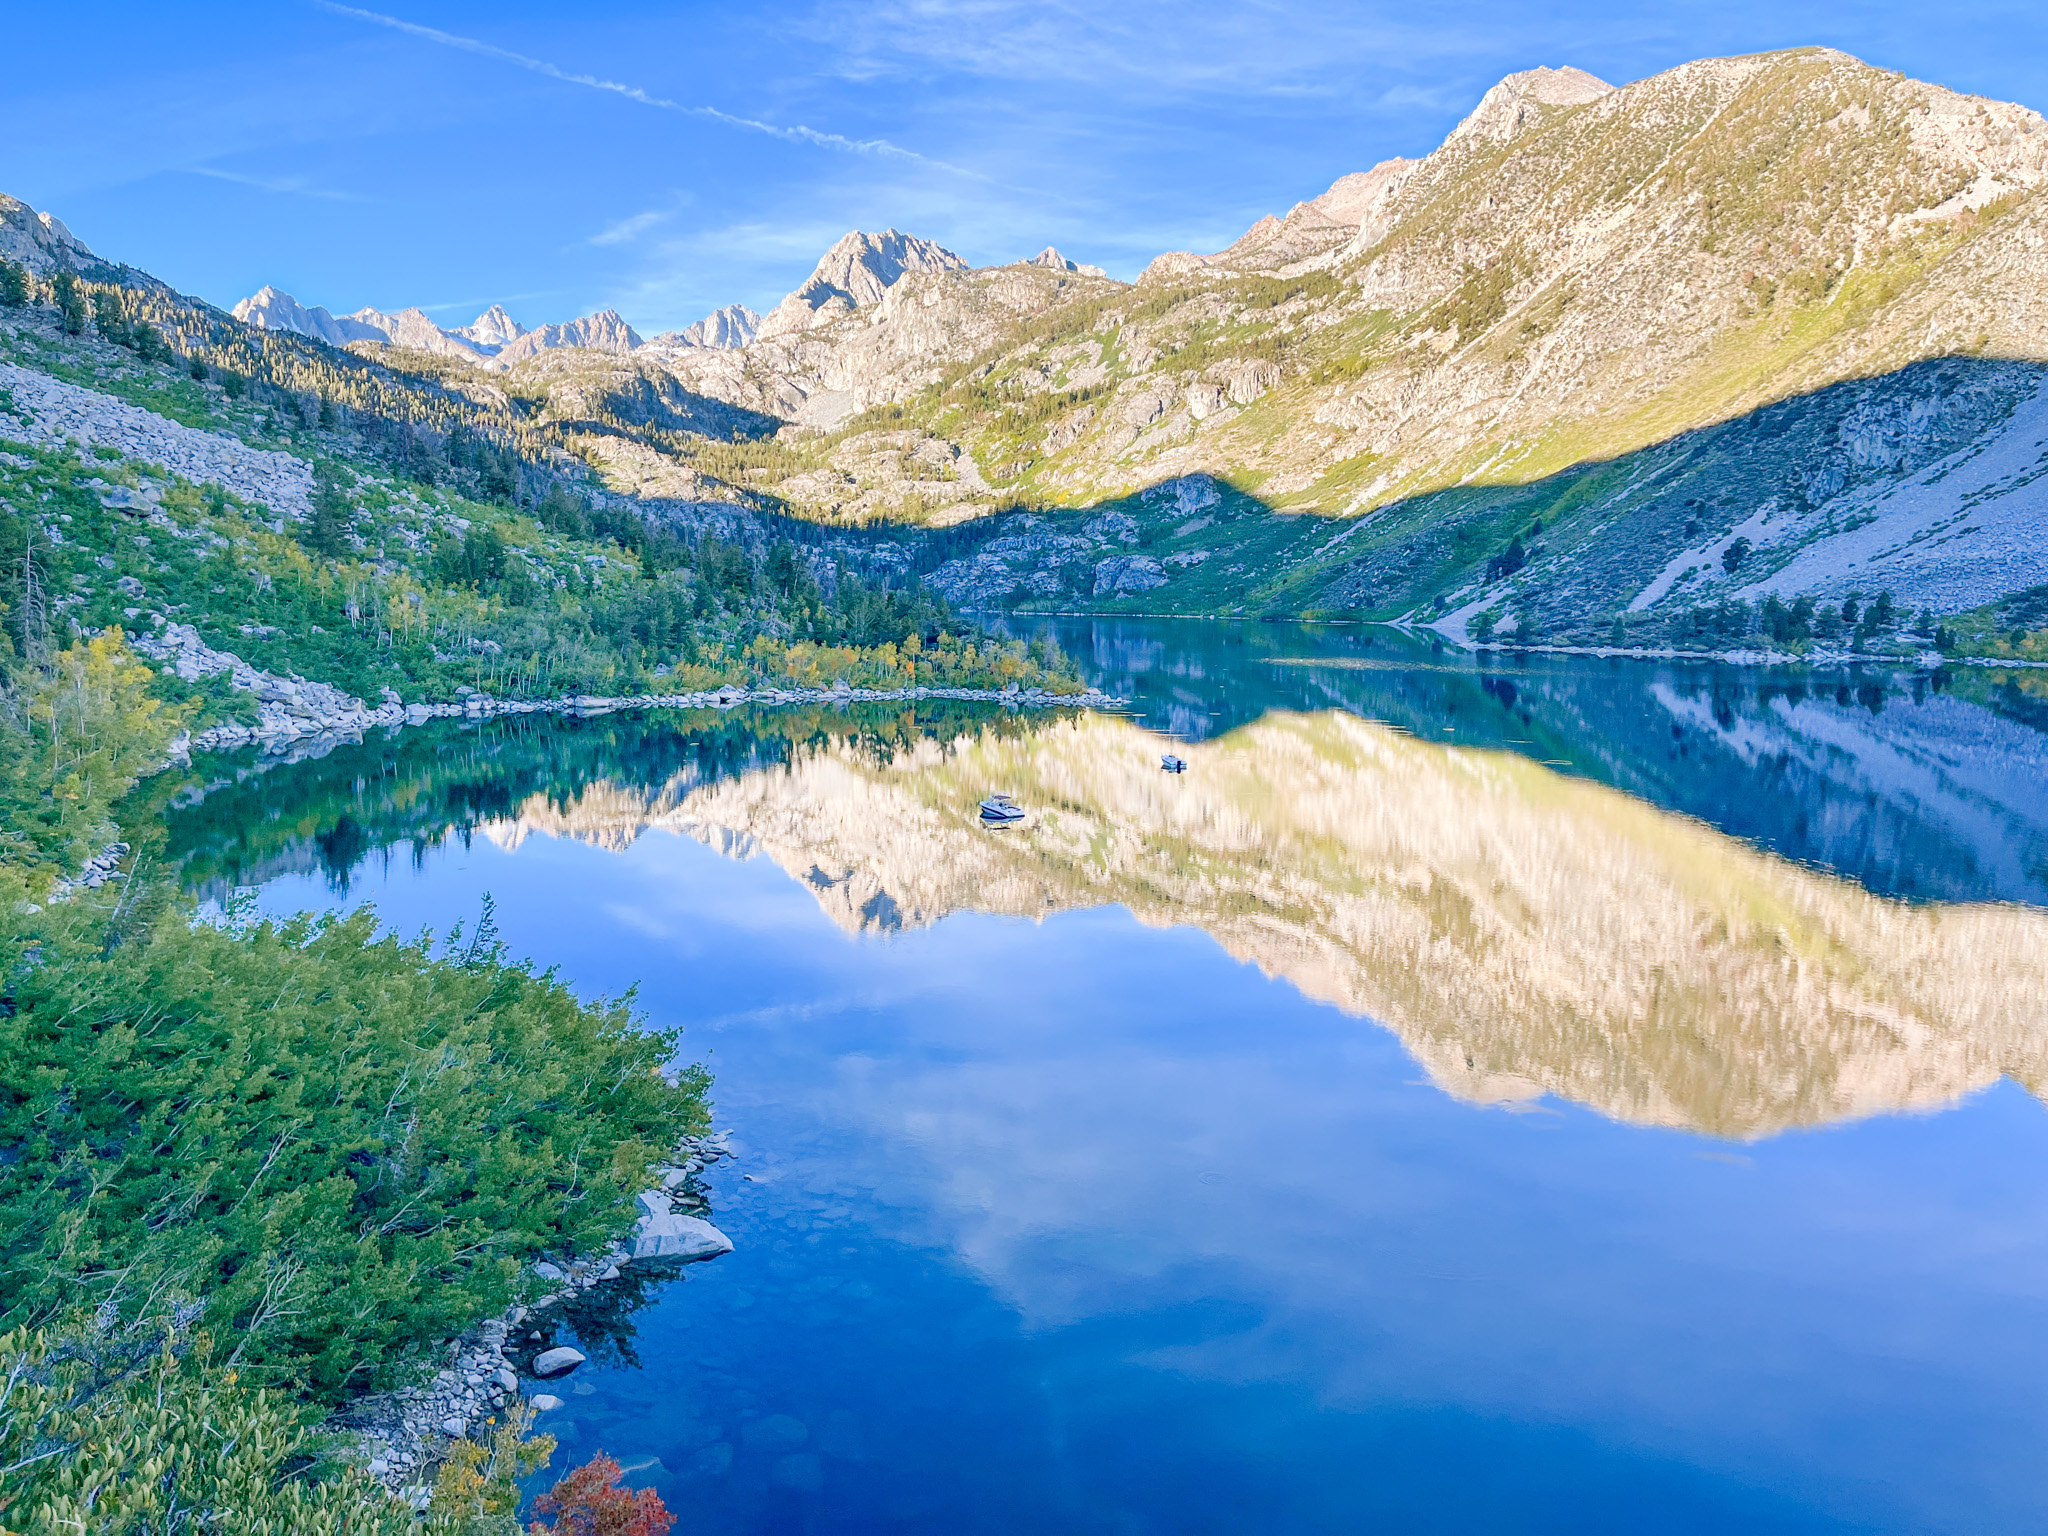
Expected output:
(70, 302)
(333, 520)
(13, 284)
(108, 318)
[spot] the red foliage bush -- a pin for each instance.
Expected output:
(590, 1502)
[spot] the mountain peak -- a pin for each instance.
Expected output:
(605, 331)
(1051, 257)
(857, 271)
(39, 241)
(272, 309)
(493, 328)
(722, 330)
(1521, 98)
(493, 339)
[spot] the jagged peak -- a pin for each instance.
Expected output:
(39, 241)
(723, 330)
(1520, 99)
(860, 267)
(1052, 258)
(493, 328)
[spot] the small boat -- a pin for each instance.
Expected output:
(1173, 764)
(999, 810)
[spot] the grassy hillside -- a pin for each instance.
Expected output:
(435, 547)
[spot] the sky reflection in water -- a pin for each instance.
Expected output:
(1082, 1224)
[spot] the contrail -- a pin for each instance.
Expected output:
(798, 134)
(297, 186)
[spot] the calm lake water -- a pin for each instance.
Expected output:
(1535, 1096)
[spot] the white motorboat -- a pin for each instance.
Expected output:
(1000, 810)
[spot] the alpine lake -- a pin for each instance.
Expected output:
(1481, 1094)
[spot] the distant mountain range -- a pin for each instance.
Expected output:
(493, 339)
(856, 271)
(721, 330)
(1605, 363)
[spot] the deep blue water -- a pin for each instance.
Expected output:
(1082, 1225)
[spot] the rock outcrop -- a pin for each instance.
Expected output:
(664, 1233)
(289, 708)
(1051, 257)
(39, 241)
(1520, 101)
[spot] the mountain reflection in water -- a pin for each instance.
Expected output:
(1522, 932)
(1079, 1224)
(1930, 784)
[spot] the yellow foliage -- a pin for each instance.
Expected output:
(477, 1487)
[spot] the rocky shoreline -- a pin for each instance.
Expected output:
(293, 710)
(1925, 661)
(403, 1435)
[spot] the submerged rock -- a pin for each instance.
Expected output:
(558, 1361)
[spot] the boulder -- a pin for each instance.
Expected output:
(558, 1361)
(544, 1401)
(665, 1235)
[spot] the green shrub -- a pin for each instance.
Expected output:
(347, 1146)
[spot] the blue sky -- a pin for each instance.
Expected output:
(663, 160)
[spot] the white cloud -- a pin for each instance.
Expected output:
(622, 231)
(1152, 48)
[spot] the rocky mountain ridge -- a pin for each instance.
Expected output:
(493, 340)
(1610, 362)
(39, 241)
(733, 325)
(1441, 355)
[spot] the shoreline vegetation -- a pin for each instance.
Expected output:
(270, 1169)
(259, 1168)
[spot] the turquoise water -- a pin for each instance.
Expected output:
(1080, 1190)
